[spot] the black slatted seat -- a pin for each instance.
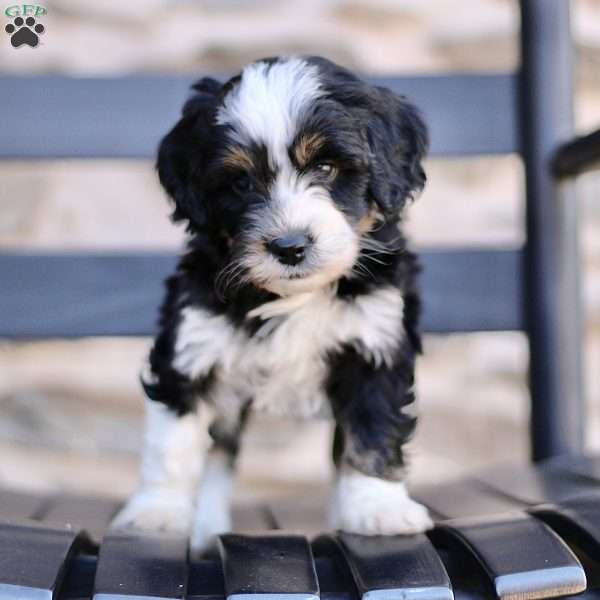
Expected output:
(268, 567)
(19, 505)
(513, 533)
(141, 566)
(577, 520)
(78, 511)
(521, 555)
(449, 501)
(512, 550)
(385, 568)
(34, 558)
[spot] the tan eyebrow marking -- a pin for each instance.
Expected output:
(368, 222)
(238, 158)
(306, 147)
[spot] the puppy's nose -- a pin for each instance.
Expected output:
(289, 249)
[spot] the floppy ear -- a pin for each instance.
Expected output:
(398, 142)
(182, 153)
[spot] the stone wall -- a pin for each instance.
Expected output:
(71, 411)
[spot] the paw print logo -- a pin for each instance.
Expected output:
(24, 31)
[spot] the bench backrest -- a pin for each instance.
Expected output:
(519, 288)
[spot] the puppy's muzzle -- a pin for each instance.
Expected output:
(290, 249)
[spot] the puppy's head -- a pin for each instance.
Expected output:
(292, 162)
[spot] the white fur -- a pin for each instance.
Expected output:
(170, 464)
(202, 338)
(281, 307)
(371, 506)
(284, 369)
(213, 505)
(269, 101)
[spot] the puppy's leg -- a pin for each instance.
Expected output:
(370, 505)
(213, 503)
(171, 461)
(212, 515)
(372, 409)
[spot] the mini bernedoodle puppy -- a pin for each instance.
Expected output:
(296, 293)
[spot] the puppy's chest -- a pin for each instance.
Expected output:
(284, 364)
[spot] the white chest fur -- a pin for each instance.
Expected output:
(283, 366)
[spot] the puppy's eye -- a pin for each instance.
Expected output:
(327, 169)
(242, 184)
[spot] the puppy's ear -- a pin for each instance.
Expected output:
(398, 142)
(183, 151)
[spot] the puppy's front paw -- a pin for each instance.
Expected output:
(372, 506)
(156, 510)
(404, 517)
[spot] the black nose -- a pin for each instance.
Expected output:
(289, 249)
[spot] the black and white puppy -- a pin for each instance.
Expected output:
(296, 294)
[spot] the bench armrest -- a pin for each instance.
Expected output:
(577, 156)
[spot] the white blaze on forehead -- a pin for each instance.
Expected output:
(268, 102)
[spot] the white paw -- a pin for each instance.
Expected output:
(156, 510)
(372, 506)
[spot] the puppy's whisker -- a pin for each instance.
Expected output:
(377, 250)
(229, 278)
(360, 269)
(379, 247)
(375, 260)
(225, 273)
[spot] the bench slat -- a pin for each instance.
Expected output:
(577, 519)
(20, 505)
(89, 512)
(76, 295)
(47, 296)
(534, 484)
(472, 290)
(586, 466)
(141, 566)
(305, 512)
(125, 117)
(405, 567)
(462, 498)
(34, 559)
(523, 557)
(268, 567)
(250, 517)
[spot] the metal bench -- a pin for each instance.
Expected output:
(537, 538)
(511, 533)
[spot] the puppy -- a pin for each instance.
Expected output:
(296, 294)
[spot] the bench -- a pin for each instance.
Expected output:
(512, 532)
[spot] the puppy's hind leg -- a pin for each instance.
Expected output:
(172, 456)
